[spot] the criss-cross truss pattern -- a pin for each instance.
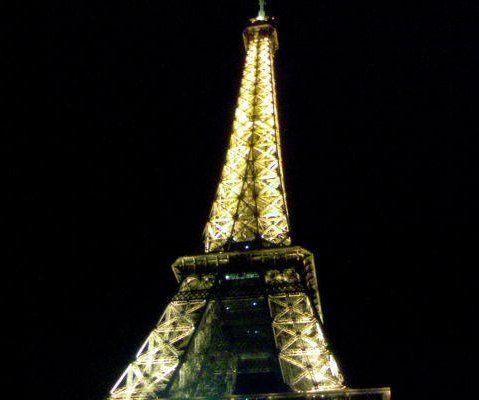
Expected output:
(306, 362)
(160, 355)
(250, 202)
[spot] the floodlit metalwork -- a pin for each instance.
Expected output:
(204, 372)
(306, 362)
(160, 355)
(243, 313)
(250, 203)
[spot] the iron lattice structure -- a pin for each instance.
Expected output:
(250, 203)
(159, 356)
(235, 313)
(244, 320)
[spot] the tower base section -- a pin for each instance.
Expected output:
(342, 394)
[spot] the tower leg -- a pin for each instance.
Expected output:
(306, 362)
(160, 355)
(208, 369)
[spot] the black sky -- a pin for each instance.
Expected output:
(133, 102)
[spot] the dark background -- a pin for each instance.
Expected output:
(132, 103)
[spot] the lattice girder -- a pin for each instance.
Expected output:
(250, 202)
(160, 354)
(306, 362)
(205, 371)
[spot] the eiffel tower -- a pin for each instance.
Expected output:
(246, 321)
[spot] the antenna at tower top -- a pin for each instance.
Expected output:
(261, 14)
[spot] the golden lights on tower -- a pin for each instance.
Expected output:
(250, 203)
(249, 206)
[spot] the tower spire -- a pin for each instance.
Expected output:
(261, 14)
(250, 206)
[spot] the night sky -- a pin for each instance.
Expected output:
(135, 101)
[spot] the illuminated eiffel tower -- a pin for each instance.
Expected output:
(246, 321)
